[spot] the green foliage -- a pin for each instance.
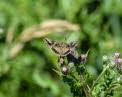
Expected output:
(29, 73)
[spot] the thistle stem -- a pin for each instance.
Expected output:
(85, 88)
(94, 83)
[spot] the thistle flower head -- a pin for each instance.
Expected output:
(119, 64)
(82, 58)
(65, 70)
(116, 55)
(114, 61)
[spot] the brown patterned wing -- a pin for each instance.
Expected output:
(65, 51)
(61, 50)
(56, 49)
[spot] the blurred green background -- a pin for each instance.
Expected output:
(29, 72)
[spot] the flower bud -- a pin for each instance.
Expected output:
(116, 55)
(82, 58)
(65, 70)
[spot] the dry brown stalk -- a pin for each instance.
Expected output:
(10, 35)
(14, 51)
(41, 30)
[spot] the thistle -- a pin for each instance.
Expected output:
(73, 71)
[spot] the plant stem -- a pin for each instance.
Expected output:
(74, 77)
(94, 83)
(85, 88)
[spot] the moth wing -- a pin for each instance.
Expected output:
(65, 51)
(73, 44)
(57, 50)
(49, 42)
(61, 51)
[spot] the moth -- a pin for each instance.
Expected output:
(62, 49)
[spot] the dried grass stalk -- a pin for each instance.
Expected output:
(41, 30)
(14, 51)
(45, 28)
(10, 35)
(59, 24)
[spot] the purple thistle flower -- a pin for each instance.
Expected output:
(116, 55)
(119, 64)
